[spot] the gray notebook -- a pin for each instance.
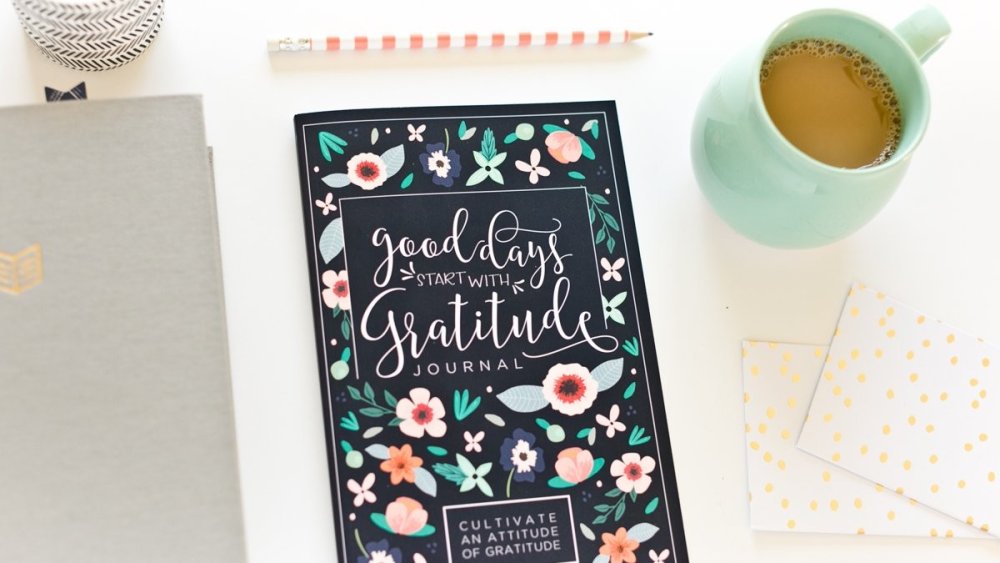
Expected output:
(117, 440)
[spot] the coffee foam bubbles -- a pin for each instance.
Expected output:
(865, 70)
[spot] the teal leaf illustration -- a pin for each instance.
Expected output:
(379, 520)
(588, 152)
(524, 398)
(600, 236)
(406, 181)
(638, 436)
(330, 142)
(478, 176)
(510, 138)
(369, 391)
(583, 433)
(437, 450)
(629, 391)
(393, 159)
(619, 512)
(595, 131)
(427, 530)
(607, 374)
(549, 128)
(560, 483)
(576, 175)
(337, 180)
(488, 146)
(378, 451)
(390, 399)
(450, 472)
(599, 199)
(331, 242)
(345, 328)
(395, 421)
(542, 423)
(586, 532)
(346, 446)
(651, 506)
(631, 346)
(463, 407)
(611, 248)
(353, 391)
(461, 128)
(642, 531)
(373, 412)
(425, 481)
(612, 222)
(350, 422)
(345, 356)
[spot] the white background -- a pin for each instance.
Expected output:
(935, 244)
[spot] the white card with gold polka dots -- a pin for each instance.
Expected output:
(907, 401)
(791, 490)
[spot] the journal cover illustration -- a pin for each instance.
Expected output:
(489, 379)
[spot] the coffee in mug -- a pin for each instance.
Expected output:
(832, 102)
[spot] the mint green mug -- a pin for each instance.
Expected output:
(771, 191)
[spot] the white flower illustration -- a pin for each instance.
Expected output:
(611, 422)
(633, 472)
(421, 413)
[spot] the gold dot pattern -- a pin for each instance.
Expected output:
(924, 401)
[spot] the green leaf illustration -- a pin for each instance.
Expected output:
(638, 436)
(331, 242)
(631, 346)
(651, 506)
(378, 451)
(488, 146)
(330, 142)
(336, 180)
(425, 481)
(524, 398)
(390, 399)
(406, 181)
(588, 152)
(510, 138)
(629, 391)
(549, 128)
(350, 421)
(461, 129)
(608, 373)
(394, 159)
(437, 450)
(462, 406)
(576, 175)
(642, 531)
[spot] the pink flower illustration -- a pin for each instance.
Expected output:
(564, 146)
(421, 413)
(574, 465)
(532, 167)
(569, 388)
(633, 472)
(337, 292)
(367, 170)
(405, 516)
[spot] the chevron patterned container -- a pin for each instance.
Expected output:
(91, 35)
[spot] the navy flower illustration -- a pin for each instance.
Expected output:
(380, 552)
(442, 164)
(521, 458)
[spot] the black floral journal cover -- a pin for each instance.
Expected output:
(489, 379)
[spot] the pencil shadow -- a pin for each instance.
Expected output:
(316, 61)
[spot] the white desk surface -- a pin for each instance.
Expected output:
(935, 244)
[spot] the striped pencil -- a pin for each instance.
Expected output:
(452, 40)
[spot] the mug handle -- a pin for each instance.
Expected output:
(924, 31)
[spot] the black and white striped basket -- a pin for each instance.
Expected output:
(94, 35)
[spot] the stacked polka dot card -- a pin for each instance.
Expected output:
(906, 401)
(793, 491)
